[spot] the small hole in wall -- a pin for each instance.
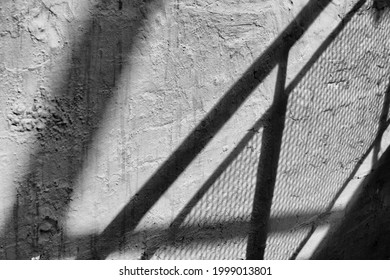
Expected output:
(120, 4)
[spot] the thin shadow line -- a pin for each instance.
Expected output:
(372, 186)
(346, 182)
(229, 229)
(129, 217)
(348, 17)
(177, 222)
(375, 147)
(263, 121)
(382, 123)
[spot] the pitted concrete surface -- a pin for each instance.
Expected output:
(96, 97)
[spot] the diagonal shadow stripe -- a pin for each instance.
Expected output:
(263, 121)
(129, 217)
(74, 112)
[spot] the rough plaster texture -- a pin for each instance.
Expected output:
(96, 95)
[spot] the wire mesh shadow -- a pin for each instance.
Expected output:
(231, 176)
(155, 187)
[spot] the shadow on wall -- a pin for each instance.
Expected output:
(126, 221)
(333, 119)
(332, 122)
(364, 232)
(69, 119)
(332, 110)
(329, 111)
(344, 106)
(379, 7)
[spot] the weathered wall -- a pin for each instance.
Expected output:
(96, 96)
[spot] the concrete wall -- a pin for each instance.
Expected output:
(133, 129)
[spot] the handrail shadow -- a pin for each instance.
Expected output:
(129, 217)
(265, 121)
(275, 55)
(277, 131)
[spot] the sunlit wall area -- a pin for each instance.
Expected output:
(137, 129)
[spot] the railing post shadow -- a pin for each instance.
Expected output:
(268, 165)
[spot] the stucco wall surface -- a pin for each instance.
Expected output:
(105, 109)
